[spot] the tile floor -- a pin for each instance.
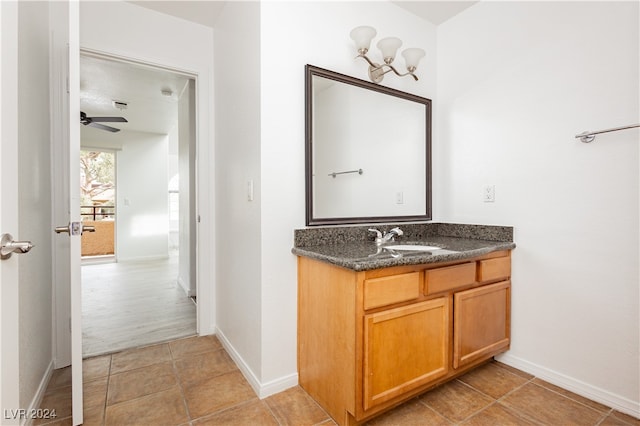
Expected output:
(193, 381)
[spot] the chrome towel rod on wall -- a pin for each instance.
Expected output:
(587, 137)
(334, 174)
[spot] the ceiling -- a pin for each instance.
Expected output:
(199, 11)
(148, 110)
(435, 12)
(103, 81)
(207, 12)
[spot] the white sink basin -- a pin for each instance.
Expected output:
(411, 247)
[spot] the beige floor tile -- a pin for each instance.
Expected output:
(194, 346)
(217, 393)
(58, 399)
(493, 380)
(496, 414)
(410, 413)
(60, 378)
(295, 407)
(93, 416)
(137, 358)
(197, 368)
(329, 422)
(625, 418)
(143, 388)
(613, 421)
(93, 368)
(94, 393)
(595, 405)
(142, 381)
(252, 413)
(161, 408)
(514, 370)
(67, 421)
(456, 401)
(549, 407)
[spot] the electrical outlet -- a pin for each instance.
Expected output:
(399, 197)
(489, 193)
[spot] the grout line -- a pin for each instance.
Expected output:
(568, 397)
(106, 392)
(272, 413)
(604, 417)
(317, 405)
(181, 386)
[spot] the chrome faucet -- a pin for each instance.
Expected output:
(388, 236)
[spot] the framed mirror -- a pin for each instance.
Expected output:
(368, 151)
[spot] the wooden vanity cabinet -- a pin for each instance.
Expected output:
(481, 324)
(368, 341)
(404, 348)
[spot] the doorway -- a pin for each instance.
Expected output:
(144, 292)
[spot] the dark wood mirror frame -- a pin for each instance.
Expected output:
(311, 220)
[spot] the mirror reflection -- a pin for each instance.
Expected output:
(368, 151)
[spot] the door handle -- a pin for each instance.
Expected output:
(74, 228)
(8, 246)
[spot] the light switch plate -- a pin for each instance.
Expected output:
(250, 190)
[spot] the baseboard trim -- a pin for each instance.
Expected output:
(263, 390)
(579, 387)
(184, 288)
(37, 398)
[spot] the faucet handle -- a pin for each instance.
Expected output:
(378, 233)
(397, 230)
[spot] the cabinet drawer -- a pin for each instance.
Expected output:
(393, 289)
(451, 277)
(494, 269)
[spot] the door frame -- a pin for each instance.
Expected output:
(203, 217)
(193, 165)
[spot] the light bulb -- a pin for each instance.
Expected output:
(362, 36)
(412, 57)
(388, 46)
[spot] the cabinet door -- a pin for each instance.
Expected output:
(405, 348)
(482, 322)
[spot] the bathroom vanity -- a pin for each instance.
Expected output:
(377, 327)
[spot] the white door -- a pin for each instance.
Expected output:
(65, 110)
(9, 362)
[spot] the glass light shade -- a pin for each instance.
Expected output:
(412, 57)
(362, 36)
(388, 46)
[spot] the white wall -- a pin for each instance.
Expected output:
(260, 137)
(142, 209)
(238, 161)
(516, 82)
(34, 163)
(125, 30)
(294, 34)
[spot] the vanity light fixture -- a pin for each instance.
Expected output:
(388, 46)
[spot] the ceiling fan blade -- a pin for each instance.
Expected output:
(103, 127)
(108, 119)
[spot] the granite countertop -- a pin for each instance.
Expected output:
(353, 248)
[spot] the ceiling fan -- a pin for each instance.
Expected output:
(92, 121)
